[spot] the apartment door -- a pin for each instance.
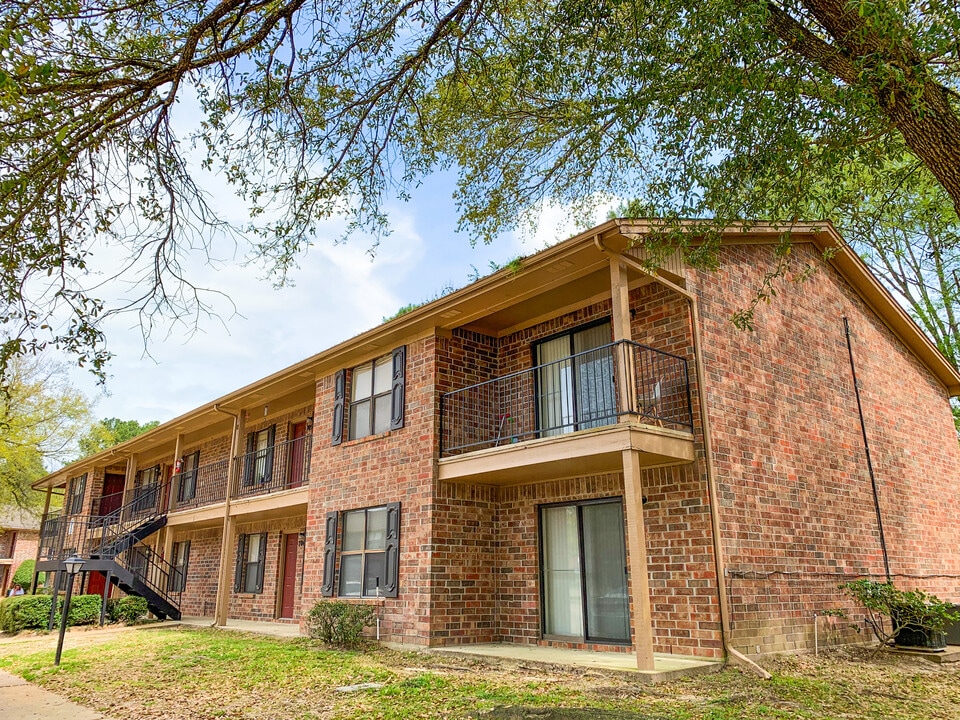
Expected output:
(289, 583)
(583, 564)
(95, 583)
(298, 460)
(575, 382)
(112, 493)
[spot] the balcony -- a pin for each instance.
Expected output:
(284, 466)
(201, 486)
(571, 416)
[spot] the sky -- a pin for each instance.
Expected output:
(338, 292)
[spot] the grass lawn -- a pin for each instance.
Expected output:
(198, 674)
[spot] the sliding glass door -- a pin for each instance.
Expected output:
(583, 570)
(575, 381)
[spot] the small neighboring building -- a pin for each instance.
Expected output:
(19, 535)
(574, 452)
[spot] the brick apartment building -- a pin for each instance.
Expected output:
(575, 453)
(19, 534)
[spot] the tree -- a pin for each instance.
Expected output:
(41, 418)
(721, 109)
(111, 431)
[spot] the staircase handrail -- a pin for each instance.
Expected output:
(152, 571)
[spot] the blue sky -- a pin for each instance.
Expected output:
(339, 291)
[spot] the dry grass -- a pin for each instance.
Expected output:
(200, 674)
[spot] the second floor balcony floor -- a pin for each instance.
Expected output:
(569, 414)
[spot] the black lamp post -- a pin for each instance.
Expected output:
(72, 566)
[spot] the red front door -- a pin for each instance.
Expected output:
(95, 583)
(112, 496)
(289, 589)
(298, 460)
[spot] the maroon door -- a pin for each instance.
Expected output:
(298, 448)
(289, 590)
(112, 496)
(95, 583)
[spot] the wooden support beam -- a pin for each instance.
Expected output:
(637, 547)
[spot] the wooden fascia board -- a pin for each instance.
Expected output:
(852, 268)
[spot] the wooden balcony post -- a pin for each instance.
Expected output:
(623, 355)
(129, 479)
(637, 548)
(225, 584)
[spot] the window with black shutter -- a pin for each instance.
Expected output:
(178, 575)
(187, 479)
(78, 486)
(369, 552)
(251, 558)
(258, 462)
(377, 390)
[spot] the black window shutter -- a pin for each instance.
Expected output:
(392, 585)
(329, 554)
(397, 396)
(339, 394)
(248, 459)
(268, 460)
(261, 561)
(241, 557)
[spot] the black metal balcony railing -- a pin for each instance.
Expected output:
(154, 572)
(204, 485)
(63, 535)
(585, 390)
(280, 467)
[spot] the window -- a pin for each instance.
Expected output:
(376, 397)
(370, 398)
(146, 485)
(187, 487)
(251, 557)
(583, 567)
(369, 552)
(77, 487)
(575, 384)
(180, 560)
(258, 462)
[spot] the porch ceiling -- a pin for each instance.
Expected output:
(588, 452)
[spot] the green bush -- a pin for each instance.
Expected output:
(908, 611)
(129, 609)
(340, 623)
(84, 610)
(24, 612)
(24, 574)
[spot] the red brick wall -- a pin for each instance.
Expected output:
(796, 502)
(265, 605)
(199, 596)
(395, 466)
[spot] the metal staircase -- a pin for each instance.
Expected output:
(109, 545)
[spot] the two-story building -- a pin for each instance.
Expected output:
(577, 452)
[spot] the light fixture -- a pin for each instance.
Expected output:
(71, 566)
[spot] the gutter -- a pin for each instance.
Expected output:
(733, 655)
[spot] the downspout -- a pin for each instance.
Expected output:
(222, 605)
(866, 449)
(733, 655)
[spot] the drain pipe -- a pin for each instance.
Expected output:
(866, 448)
(733, 655)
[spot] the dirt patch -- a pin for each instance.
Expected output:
(526, 713)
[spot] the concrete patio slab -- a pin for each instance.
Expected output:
(666, 667)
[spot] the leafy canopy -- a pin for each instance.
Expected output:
(111, 431)
(719, 109)
(41, 419)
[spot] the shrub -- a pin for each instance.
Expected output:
(84, 610)
(24, 612)
(909, 611)
(24, 574)
(129, 609)
(339, 623)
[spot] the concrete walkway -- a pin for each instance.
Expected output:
(19, 700)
